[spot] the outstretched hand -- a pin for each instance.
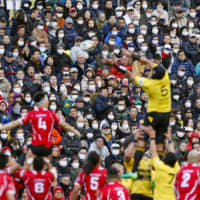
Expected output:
(168, 134)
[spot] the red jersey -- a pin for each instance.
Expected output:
(92, 182)
(6, 185)
(114, 191)
(187, 183)
(38, 184)
(42, 122)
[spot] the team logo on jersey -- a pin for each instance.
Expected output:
(150, 119)
(140, 81)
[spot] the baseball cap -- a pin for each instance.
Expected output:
(105, 125)
(73, 69)
(72, 9)
(111, 77)
(115, 146)
(78, 39)
(68, 20)
(130, 8)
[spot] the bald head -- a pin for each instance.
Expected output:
(193, 156)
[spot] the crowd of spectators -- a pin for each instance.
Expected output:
(61, 47)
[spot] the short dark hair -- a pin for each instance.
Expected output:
(112, 173)
(38, 163)
(39, 96)
(3, 160)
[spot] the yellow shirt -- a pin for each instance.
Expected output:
(142, 185)
(158, 91)
(164, 180)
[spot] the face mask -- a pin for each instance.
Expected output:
(191, 25)
(175, 51)
(79, 7)
(131, 30)
(173, 35)
(27, 99)
(153, 23)
(86, 99)
(115, 152)
(2, 51)
(99, 83)
(16, 109)
(42, 49)
(144, 6)
(89, 116)
(116, 51)
(131, 48)
(71, 134)
(80, 125)
(89, 135)
(155, 31)
(15, 54)
(39, 7)
(111, 117)
(119, 14)
(140, 40)
(180, 134)
(80, 22)
(148, 15)
(91, 34)
(59, 15)
(75, 165)
(17, 90)
(188, 104)
(92, 87)
(172, 123)
(192, 14)
(62, 89)
(144, 48)
(61, 35)
(60, 51)
(190, 82)
(105, 53)
(155, 42)
(48, 23)
(74, 97)
(178, 116)
(95, 6)
(166, 51)
(7, 153)
(160, 9)
(26, 5)
(114, 127)
(185, 33)
(34, 43)
(53, 107)
(174, 25)
(77, 87)
(82, 156)
(40, 27)
(176, 97)
(120, 108)
(125, 126)
(138, 107)
(95, 126)
(4, 136)
(63, 163)
(181, 73)
(136, 23)
(46, 89)
(111, 42)
(20, 43)
(144, 32)
(54, 24)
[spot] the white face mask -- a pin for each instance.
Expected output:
(75, 165)
(39, 7)
(80, 22)
(138, 107)
(119, 14)
(82, 156)
(54, 24)
(34, 43)
(71, 134)
(92, 87)
(60, 51)
(178, 116)
(42, 49)
(95, 6)
(61, 35)
(120, 108)
(40, 27)
(91, 34)
(115, 152)
(125, 126)
(180, 134)
(7, 153)
(62, 89)
(173, 82)
(181, 73)
(155, 31)
(95, 126)
(111, 42)
(166, 51)
(131, 30)
(188, 104)
(136, 23)
(193, 14)
(114, 127)
(176, 97)
(153, 23)
(86, 99)
(53, 107)
(74, 97)
(2, 51)
(80, 125)
(4, 136)
(114, 33)
(59, 15)
(63, 163)
(190, 82)
(171, 123)
(175, 25)
(105, 53)
(89, 116)
(144, 32)
(144, 48)
(116, 51)
(46, 89)
(15, 54)
(77, 87)
(27, 99)
(131, 48)
(17, 90)
(155, 42)
(89, 135)
(148, 15)
(20, 43)
(111, 117)
(140, 40)
(79, 7)
(191, 25)
(185, 33)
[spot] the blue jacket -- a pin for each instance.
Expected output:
(80, 70)
(118, 39)
(189, 67)
(70, 34)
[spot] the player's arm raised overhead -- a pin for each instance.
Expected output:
(11, 125)
(170, 146)
(66, 127)
(152, 134)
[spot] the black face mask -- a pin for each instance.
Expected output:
(170, 159)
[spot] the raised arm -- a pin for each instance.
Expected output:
(152, 134)
(170, 146)
(10, 125)
(66, 127)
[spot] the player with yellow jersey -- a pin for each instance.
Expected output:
(158, 90)
(165, 170)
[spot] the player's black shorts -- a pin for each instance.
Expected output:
(40, 150)
(140, 197)
(160, 122)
